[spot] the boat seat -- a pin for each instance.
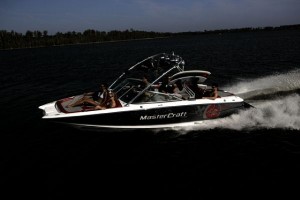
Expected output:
(87, 108)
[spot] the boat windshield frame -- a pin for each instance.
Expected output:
(156, 67)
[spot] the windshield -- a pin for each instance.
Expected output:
(130, 86)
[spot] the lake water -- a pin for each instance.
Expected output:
(256, 151)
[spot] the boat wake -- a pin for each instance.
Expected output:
(268, 87)
(276, 100)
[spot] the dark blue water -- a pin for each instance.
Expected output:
(256, 151)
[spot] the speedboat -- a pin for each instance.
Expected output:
(143, 106)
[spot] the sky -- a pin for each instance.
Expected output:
(146, 15)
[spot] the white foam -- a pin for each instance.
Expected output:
(266, 85)
(283, 112)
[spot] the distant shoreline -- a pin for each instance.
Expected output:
(86, 43)
(37, 39)
(113, 41)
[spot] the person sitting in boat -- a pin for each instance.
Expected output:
(146, 83)
(213, 94)
(112, 102)
(166, 86)
(147, 93)
(99, 97)
(196, 89)
(179, 90)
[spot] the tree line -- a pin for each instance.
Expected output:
(246, 29)
(12, 39)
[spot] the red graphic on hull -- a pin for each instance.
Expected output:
(212, 111)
